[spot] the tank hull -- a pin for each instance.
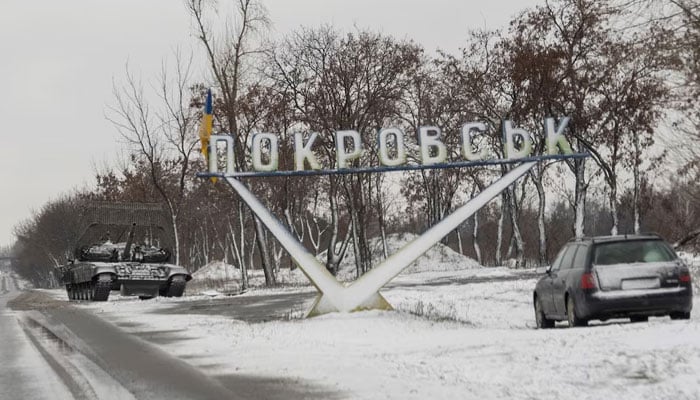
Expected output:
(94, 280)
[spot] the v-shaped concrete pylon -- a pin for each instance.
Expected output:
(364, 292)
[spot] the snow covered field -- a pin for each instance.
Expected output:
(450, 341)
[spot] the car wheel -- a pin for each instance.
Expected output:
(680, 315)
(571, 314)
(542, 321)
(639, 319)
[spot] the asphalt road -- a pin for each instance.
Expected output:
(54, 350)
(24, 373)
(253, 309)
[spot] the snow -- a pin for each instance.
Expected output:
(216, 271)
(438, 258)
(452, 340)
(226, 278)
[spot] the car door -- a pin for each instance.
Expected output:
(559, 280)
(544, 287)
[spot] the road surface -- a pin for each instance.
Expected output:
(24, 373)
(54, 350)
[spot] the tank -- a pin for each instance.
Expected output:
(125, 247)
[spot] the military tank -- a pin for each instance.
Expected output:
(125, 247)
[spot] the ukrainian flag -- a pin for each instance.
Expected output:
(205, 128)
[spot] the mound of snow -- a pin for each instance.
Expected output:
(217, 271)
(437, 258)
(217, 275)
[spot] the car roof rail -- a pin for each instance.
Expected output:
(582, 239)
(651, 233)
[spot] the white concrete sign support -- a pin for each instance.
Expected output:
(364, 293)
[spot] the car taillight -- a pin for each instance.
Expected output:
(587, 281)
(685, 277)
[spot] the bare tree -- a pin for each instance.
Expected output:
(482, 81)
(163, 139)
(229, 56)
(350, 82)
(610, 83)
(48, 239)
(432, 100)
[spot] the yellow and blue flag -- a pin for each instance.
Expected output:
(205, 128)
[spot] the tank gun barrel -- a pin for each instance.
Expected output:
(129, 241)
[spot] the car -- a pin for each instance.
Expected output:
(603, 277)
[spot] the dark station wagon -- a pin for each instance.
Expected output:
(630, 276)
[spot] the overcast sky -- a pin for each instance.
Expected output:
(59, 59)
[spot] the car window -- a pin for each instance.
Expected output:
(632, 252)
(568, 257)
(557, 260)
(580, 259)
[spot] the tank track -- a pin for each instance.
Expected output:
(95, 290)
(175, 288)
(100, 290)
(70, 292)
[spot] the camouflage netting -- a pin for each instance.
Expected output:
(124, 214)
(113, 221)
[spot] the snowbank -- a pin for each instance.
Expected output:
(226, 278)
(217, 271)
(217, 276)
(438, 258)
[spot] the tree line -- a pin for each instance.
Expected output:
(627, 73)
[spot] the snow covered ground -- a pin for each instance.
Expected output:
(219, 276)
(453, 341)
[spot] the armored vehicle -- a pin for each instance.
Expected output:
(125, 247)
